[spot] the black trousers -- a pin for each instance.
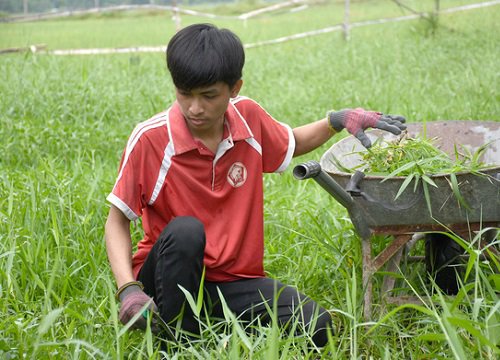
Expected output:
(176, 260)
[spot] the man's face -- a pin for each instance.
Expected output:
(204, 107)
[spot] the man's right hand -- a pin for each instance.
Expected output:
(133, 301)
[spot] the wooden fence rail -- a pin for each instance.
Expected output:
(346, 27)
(174, 9)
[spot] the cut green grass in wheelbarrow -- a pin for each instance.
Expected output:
(417, 159)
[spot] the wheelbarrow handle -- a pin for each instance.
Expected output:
(312, 169)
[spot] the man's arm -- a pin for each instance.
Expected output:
(119, 246)
(130, 292)
(310, 136)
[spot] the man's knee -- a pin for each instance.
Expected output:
(315, 319)
(184, 235)
(322, 325)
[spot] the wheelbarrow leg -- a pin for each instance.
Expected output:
(392, 255)
(367, 277)
(392, 267)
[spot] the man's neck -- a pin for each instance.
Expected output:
(211, 138)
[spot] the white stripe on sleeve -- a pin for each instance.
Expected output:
(116, 201)
(290, 151)
(255, 144)
(165, 166)
(136, 135)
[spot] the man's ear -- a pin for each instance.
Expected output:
(236, 88)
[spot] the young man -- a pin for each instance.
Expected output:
(194, 175)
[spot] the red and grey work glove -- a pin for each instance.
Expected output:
(356, 121)
(133, 301)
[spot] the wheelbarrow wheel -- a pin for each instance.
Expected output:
(443, 262)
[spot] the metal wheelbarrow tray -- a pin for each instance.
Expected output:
(371, 202)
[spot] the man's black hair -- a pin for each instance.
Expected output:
(201, 55)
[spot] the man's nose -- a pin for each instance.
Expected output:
(196, 107)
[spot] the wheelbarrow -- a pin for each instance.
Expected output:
(373, 208)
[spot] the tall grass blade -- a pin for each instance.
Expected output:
(427, 197)
(48, 321)
(456, 191)
(469, 326)
(404, 185)
(231, 318)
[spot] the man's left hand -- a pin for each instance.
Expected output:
(356, 121)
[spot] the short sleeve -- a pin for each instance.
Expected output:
(275, 138)
(133, 185)
(278, 145)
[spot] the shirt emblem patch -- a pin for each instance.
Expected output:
(237, 174)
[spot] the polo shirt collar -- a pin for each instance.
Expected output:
(182, 139)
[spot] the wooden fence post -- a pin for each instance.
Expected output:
(436, 8)
(345, 25)
(176, 15)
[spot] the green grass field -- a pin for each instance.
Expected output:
(65, 120)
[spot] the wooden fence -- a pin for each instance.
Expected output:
(346, 26)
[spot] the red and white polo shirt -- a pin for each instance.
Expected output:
(165, 173)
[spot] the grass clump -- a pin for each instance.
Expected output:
(405, 156)
(418, 159)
